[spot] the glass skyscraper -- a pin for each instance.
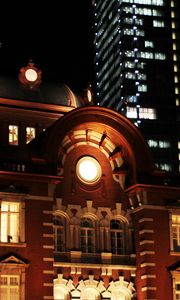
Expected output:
(137, 70)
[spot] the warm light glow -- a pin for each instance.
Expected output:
(31, 75)
(88, 170)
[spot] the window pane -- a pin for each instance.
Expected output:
(30, 134)
(13, 135)
(9, 222)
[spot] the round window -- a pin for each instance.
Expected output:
(88, 170)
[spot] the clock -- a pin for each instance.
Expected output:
(88, 170)
(31, 75)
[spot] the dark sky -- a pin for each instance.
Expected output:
(57, 36)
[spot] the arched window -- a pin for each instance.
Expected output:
(117, 229)
(87, 235)
(60, 293)
(121, 294)
(90, 293)
(59, 233)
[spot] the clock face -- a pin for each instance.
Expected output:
(88, 170)
(31, 75)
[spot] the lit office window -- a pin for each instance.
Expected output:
(176, 79)
(174, 47)
(130, 75)
(164, 144)
(165, 167)
(149, 44)
(172, 15)
(9, 287)
(176, 91)
(153, 143)
(160, 56)
(131, 112)
(173, 25)
(148, 55)
(132, 99)
(173, 36)
(139, 32)
(128, 31)
(176, 232)
(142, 88)
(129, 64)
(141, 76)
(147, 113)
(159, 144)
(128, 21)
(179, 145)
(129, 53)
(13, 135)
(157, 23)
(138, 22)
(9, 222)
(30, 134)
(175, 68)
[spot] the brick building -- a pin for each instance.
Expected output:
(84, 214)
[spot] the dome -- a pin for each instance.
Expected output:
(46, 92)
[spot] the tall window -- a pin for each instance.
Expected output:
(13, 135)
(177, 290)
(30, 134)
(176, 232)
(87, 235)
(9, 230)
(9, 287)
(59, 233)
(117, 237)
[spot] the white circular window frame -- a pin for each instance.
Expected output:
(31, 75)
(86, 166)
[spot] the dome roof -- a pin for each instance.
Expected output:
(46, 92)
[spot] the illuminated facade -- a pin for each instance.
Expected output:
(137, 69)
(84, 213)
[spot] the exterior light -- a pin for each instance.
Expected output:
(88, 170)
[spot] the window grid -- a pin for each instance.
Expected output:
(87, 235)
(117, 237)
(13, 134)
(59, 234)
(9, 222)
(9, 287)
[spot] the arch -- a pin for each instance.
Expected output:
(120, 290)
(110, 132)
(63, 288)
(90, 293)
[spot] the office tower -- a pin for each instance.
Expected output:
(83, 213)
(137, 70)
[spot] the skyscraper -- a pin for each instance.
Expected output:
(137, 70)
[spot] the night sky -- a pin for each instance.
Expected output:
(58, 37)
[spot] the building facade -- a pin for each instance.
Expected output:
(137, 48)
(84, 213)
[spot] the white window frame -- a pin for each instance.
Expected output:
(30, 134)
(13, 136)
(87, 236)
(174, 212)
(10, 284)
(19, 200)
